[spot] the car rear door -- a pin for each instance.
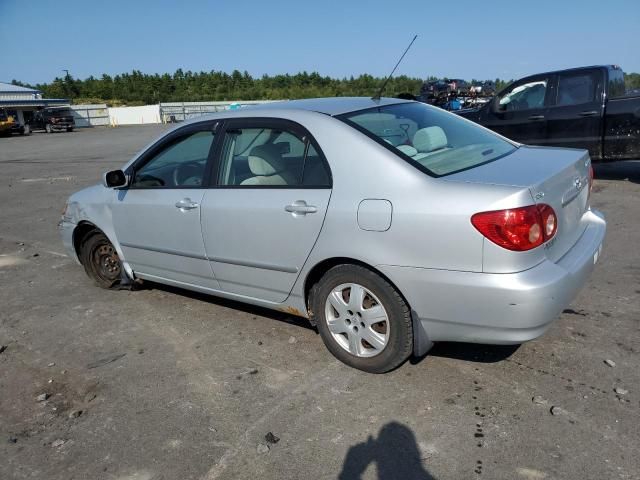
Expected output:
(575, 115)
(519, 112)
(263, 215)
(157, 218)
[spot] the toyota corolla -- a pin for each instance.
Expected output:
(389, 224)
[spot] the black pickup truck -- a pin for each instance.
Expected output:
(581, 108)
(52, 119)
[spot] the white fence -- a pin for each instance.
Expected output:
(101, 115)
(90, 115)
(179, 111)
(134, 115)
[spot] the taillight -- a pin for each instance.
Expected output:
(518, 229)
(591, 176)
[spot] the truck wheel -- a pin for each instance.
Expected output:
(100, 260)
(69, 129)
(48, 128)
(362, 319)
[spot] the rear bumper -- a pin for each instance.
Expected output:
(499, 308)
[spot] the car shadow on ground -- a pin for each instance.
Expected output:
(232, 304)
(470, 352)
(624, 170)
(394, 452)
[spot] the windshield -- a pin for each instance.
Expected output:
(433, 140)
(59, 112)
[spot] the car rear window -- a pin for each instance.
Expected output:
(437, 142)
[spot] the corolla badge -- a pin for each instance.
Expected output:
(578, 183)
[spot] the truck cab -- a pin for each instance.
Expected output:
(579, 108)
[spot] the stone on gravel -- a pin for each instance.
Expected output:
(611, 363)
(271, 438)
(2, 348)
(262, 448)
(620, 391)
(75, 413)
(42, 397)
(58, 443)
(557, 411)
(253, 371)
(538, 400)
(12, 440)
(52, 364)
(292, 340)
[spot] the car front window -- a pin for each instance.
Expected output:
(437, 142)
(525, 96)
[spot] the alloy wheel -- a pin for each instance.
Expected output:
(357, 320)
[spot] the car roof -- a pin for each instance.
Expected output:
(330, 105)
(575, 69)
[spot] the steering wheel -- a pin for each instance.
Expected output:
(188, 174)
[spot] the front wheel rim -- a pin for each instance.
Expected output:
(106, 262)
(357, 320)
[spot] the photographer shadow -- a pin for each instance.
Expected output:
(395, 453)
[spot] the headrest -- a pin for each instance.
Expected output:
(407, 150)
(429, 139)
(265, 160)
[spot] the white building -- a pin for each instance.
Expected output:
(22, 101)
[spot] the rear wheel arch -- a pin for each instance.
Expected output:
(316, 273)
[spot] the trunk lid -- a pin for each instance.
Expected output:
(556, 177)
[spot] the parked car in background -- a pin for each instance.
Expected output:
(53, 119)
(580, 108)
(390, 224)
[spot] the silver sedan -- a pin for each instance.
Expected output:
(389, 224)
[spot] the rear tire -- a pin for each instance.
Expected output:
(100, 260)
(371, 331)
(69, 129)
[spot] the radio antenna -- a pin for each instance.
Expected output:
(379, 94)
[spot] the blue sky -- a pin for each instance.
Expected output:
(467, 39)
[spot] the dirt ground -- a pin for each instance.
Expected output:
(166, 384)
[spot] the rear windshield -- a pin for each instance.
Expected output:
(437, 142)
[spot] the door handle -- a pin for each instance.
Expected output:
(186, 204)
(590, 113)
(536, 117)
(300, 207)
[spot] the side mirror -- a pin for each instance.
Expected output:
(114, 179)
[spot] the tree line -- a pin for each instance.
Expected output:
(137, 88)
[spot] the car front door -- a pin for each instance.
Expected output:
(266, 211)
(575, 116)
(519, 112)
(157, 218)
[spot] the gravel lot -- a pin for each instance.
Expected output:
(167, 384)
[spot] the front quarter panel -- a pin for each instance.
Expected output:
(93, 205)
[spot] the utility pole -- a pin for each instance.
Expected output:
(66, 82)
